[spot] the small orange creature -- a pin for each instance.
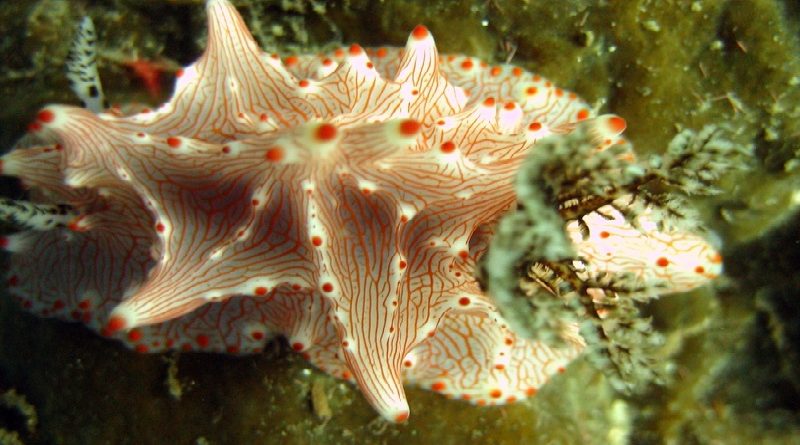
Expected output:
(149, 74)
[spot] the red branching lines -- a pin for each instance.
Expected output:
(188, 264)
(340, 200)
(253, 67)
(351, 97)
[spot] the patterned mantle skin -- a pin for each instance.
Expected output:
(340, 201)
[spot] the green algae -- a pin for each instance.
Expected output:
(663, 65)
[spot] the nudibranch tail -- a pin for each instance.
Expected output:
(82, 67)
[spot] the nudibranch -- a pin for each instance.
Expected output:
(340, 201)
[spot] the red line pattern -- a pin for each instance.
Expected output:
(340, 201)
